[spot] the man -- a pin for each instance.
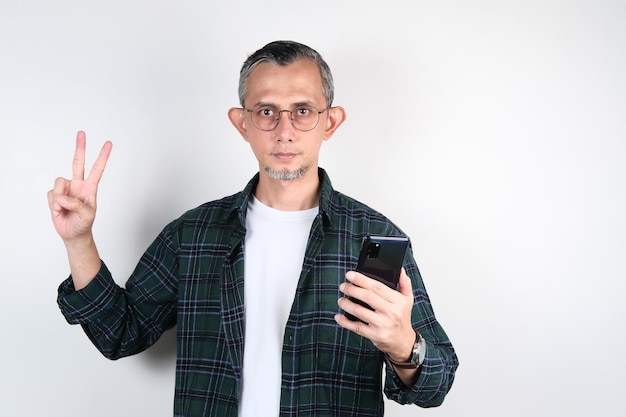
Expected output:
(256, 282)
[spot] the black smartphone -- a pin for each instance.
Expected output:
(381, 258)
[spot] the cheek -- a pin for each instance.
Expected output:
(256, 144)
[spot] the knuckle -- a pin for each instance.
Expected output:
(378, 287)
(366, 297)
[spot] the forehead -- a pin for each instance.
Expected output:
(298, 82)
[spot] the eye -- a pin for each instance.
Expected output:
(266, 112)
(303, 111)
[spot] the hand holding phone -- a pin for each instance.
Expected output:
(381, 258)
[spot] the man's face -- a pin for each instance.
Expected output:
(285, 152)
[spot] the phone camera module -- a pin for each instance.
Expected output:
(373, 249)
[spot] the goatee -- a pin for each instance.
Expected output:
(285, 174)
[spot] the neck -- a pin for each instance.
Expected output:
(289, 195)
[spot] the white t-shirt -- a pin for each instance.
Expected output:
(273, 257)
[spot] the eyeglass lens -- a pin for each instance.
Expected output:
(302, 117)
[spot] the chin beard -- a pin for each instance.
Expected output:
(285, 174)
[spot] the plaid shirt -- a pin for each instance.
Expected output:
(192, 276)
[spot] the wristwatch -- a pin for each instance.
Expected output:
(417, 355)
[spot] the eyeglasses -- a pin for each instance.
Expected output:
(303, 117)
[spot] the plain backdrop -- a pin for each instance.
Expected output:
(492, 132)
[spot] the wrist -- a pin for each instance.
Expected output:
(404, 354)
(79, 245)
(416, 358)
(84, 261)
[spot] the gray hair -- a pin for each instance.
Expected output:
(284, 53)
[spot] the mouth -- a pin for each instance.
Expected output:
(284, 156)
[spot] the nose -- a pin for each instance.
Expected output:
(285, 130)
(289, 115)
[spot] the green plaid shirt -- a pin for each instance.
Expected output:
(192, 276)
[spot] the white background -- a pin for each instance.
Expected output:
(492, 132)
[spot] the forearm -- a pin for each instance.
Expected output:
(432, 380)
(114, 319)
(84, 261)
(407, 376)
(428, 386)
(407, 365)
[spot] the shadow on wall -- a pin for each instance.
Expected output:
(163, 353)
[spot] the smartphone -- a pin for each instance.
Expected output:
(381, 258)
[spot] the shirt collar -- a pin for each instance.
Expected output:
(240, 203)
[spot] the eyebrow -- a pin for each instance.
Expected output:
(297, 104)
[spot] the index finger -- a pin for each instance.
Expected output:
(377, 287)
(101, 162)
(363, 281)
(78, 163)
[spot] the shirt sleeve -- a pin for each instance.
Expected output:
(124, 321)
(88, 304)
(436, 374)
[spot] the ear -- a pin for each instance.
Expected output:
(336, 116)
(235, 115)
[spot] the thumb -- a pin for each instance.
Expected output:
(85, 211)
(404, 284)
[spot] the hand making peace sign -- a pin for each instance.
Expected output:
(73, 202)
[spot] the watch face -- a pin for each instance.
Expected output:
(420, 350)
